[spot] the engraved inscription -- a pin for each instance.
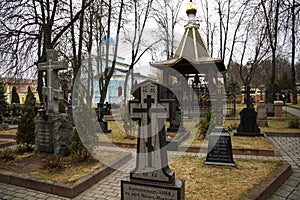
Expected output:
(138, 192)
(221, 150)
(45, 137)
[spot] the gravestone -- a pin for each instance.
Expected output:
(278, 106)
(152, 178)
(219, 149)
(100, 118)
(262, 117)
(53, 130)
(248, 119)
(51, 90)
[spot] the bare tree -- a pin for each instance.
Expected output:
(141, 11)
(28, 28)
(271, 11)
(165, 14)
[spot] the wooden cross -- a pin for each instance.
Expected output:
(51, 90)
(248, 92)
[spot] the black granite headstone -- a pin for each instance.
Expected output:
(220, 149)
(248, 119)
(152, 178)
(100, 117)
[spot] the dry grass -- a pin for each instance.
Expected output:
(118, 135)
(219, 182)
(66, 171)
(9, 131)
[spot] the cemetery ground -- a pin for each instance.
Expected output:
(202, 181)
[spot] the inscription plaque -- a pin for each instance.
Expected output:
(148, 191)
(220, 149)
(45, 137)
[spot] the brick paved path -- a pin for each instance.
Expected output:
(290, 151)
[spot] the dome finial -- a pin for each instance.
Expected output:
(192, 9)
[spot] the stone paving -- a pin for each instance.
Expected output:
(290, 151)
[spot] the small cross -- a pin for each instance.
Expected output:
(278, 96)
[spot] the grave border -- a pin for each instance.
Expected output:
(60, 189)
(267, 187)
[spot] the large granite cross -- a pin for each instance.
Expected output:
(51, 90)
(152, 161)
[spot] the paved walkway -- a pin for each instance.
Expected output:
(291, 110)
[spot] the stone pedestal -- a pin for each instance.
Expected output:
(248, 123)
(278, 108)
(53, 134)
(262, 117)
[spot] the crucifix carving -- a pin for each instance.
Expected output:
(51, 89)
(151, 113)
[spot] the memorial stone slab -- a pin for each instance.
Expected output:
(44, 139)
(152, 178)
(219, 149)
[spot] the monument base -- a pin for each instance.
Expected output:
(53, 134)
(248, 134)
(148, 190)
(173, 144)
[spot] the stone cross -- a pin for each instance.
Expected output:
(151, 113)
(278, 96)
(248, 97)
(51, 90)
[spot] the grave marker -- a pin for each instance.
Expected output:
(152, 178)
(248, 121)
(51, 90)
(53, 130)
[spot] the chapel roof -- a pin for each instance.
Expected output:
(192, 47)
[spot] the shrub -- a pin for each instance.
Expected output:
(7, 154)
(26, 125)
(61, 106)
(294, 124)
(204, 124)
(128, 124)
(52, 163)
(77, 149)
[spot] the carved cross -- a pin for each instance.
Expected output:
(151, 114)
(51, 90)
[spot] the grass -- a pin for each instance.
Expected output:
(9, 131)
(47, 167)
(118, 135)
(219, 182)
